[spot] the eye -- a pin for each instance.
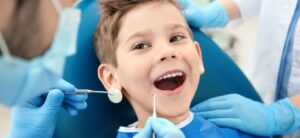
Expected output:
(176, 38)
(141, 46)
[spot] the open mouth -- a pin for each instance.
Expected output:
(170, 81)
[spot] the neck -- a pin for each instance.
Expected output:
(143, 115)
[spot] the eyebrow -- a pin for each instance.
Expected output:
(138, 34)
(175, 26)
(180, 26)
(170, 27)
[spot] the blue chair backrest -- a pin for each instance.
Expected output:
(102, 118)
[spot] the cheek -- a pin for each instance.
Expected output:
(134, 78)
(134, 74)
(197, 67)
(133, 70)
(192, 59)
(194, 64)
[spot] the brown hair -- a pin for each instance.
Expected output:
(107, 31)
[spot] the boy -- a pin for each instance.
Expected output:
(146, 47)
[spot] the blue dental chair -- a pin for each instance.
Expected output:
(102, 118)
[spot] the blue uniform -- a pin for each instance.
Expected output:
(194, 127)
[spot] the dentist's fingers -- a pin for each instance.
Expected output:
(227, 113)
(76, 97)
(74, 102)
(210, 106)
(70, 109)
(77, 105)
(219, 98)
(38, 101)
(221, 102)
(165, 129)
(228, 122)
(54, 100)
(64, 86)
(147, 131)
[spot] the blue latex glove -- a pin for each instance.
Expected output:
(250, 116)
(211, 16)
(37, 118)
(162, 129)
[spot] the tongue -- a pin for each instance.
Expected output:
(167, 84)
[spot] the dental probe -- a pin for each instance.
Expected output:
(154, 107)
(86, 91)
(114, 95)
(154, 111)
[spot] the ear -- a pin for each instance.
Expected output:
(198, 49)
(108, 76)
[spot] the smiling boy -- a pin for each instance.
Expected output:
(146, 47)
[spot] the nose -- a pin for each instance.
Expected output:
(167, 53)
(164, 58)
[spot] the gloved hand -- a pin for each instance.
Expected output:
(250, 116)
(211, 16)
(38, 117)
(162, 129)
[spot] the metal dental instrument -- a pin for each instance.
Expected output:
(78, 91)
(114, 95)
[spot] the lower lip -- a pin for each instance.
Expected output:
(173, 92)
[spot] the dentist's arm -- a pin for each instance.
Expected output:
(250, 116)
(38, 117)
(220, 12)
(216, 14)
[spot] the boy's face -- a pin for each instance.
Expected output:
(154, 43)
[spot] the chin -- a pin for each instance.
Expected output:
(174, 112)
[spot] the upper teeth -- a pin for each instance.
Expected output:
(170, 75)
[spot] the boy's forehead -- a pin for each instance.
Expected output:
(149, 16)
